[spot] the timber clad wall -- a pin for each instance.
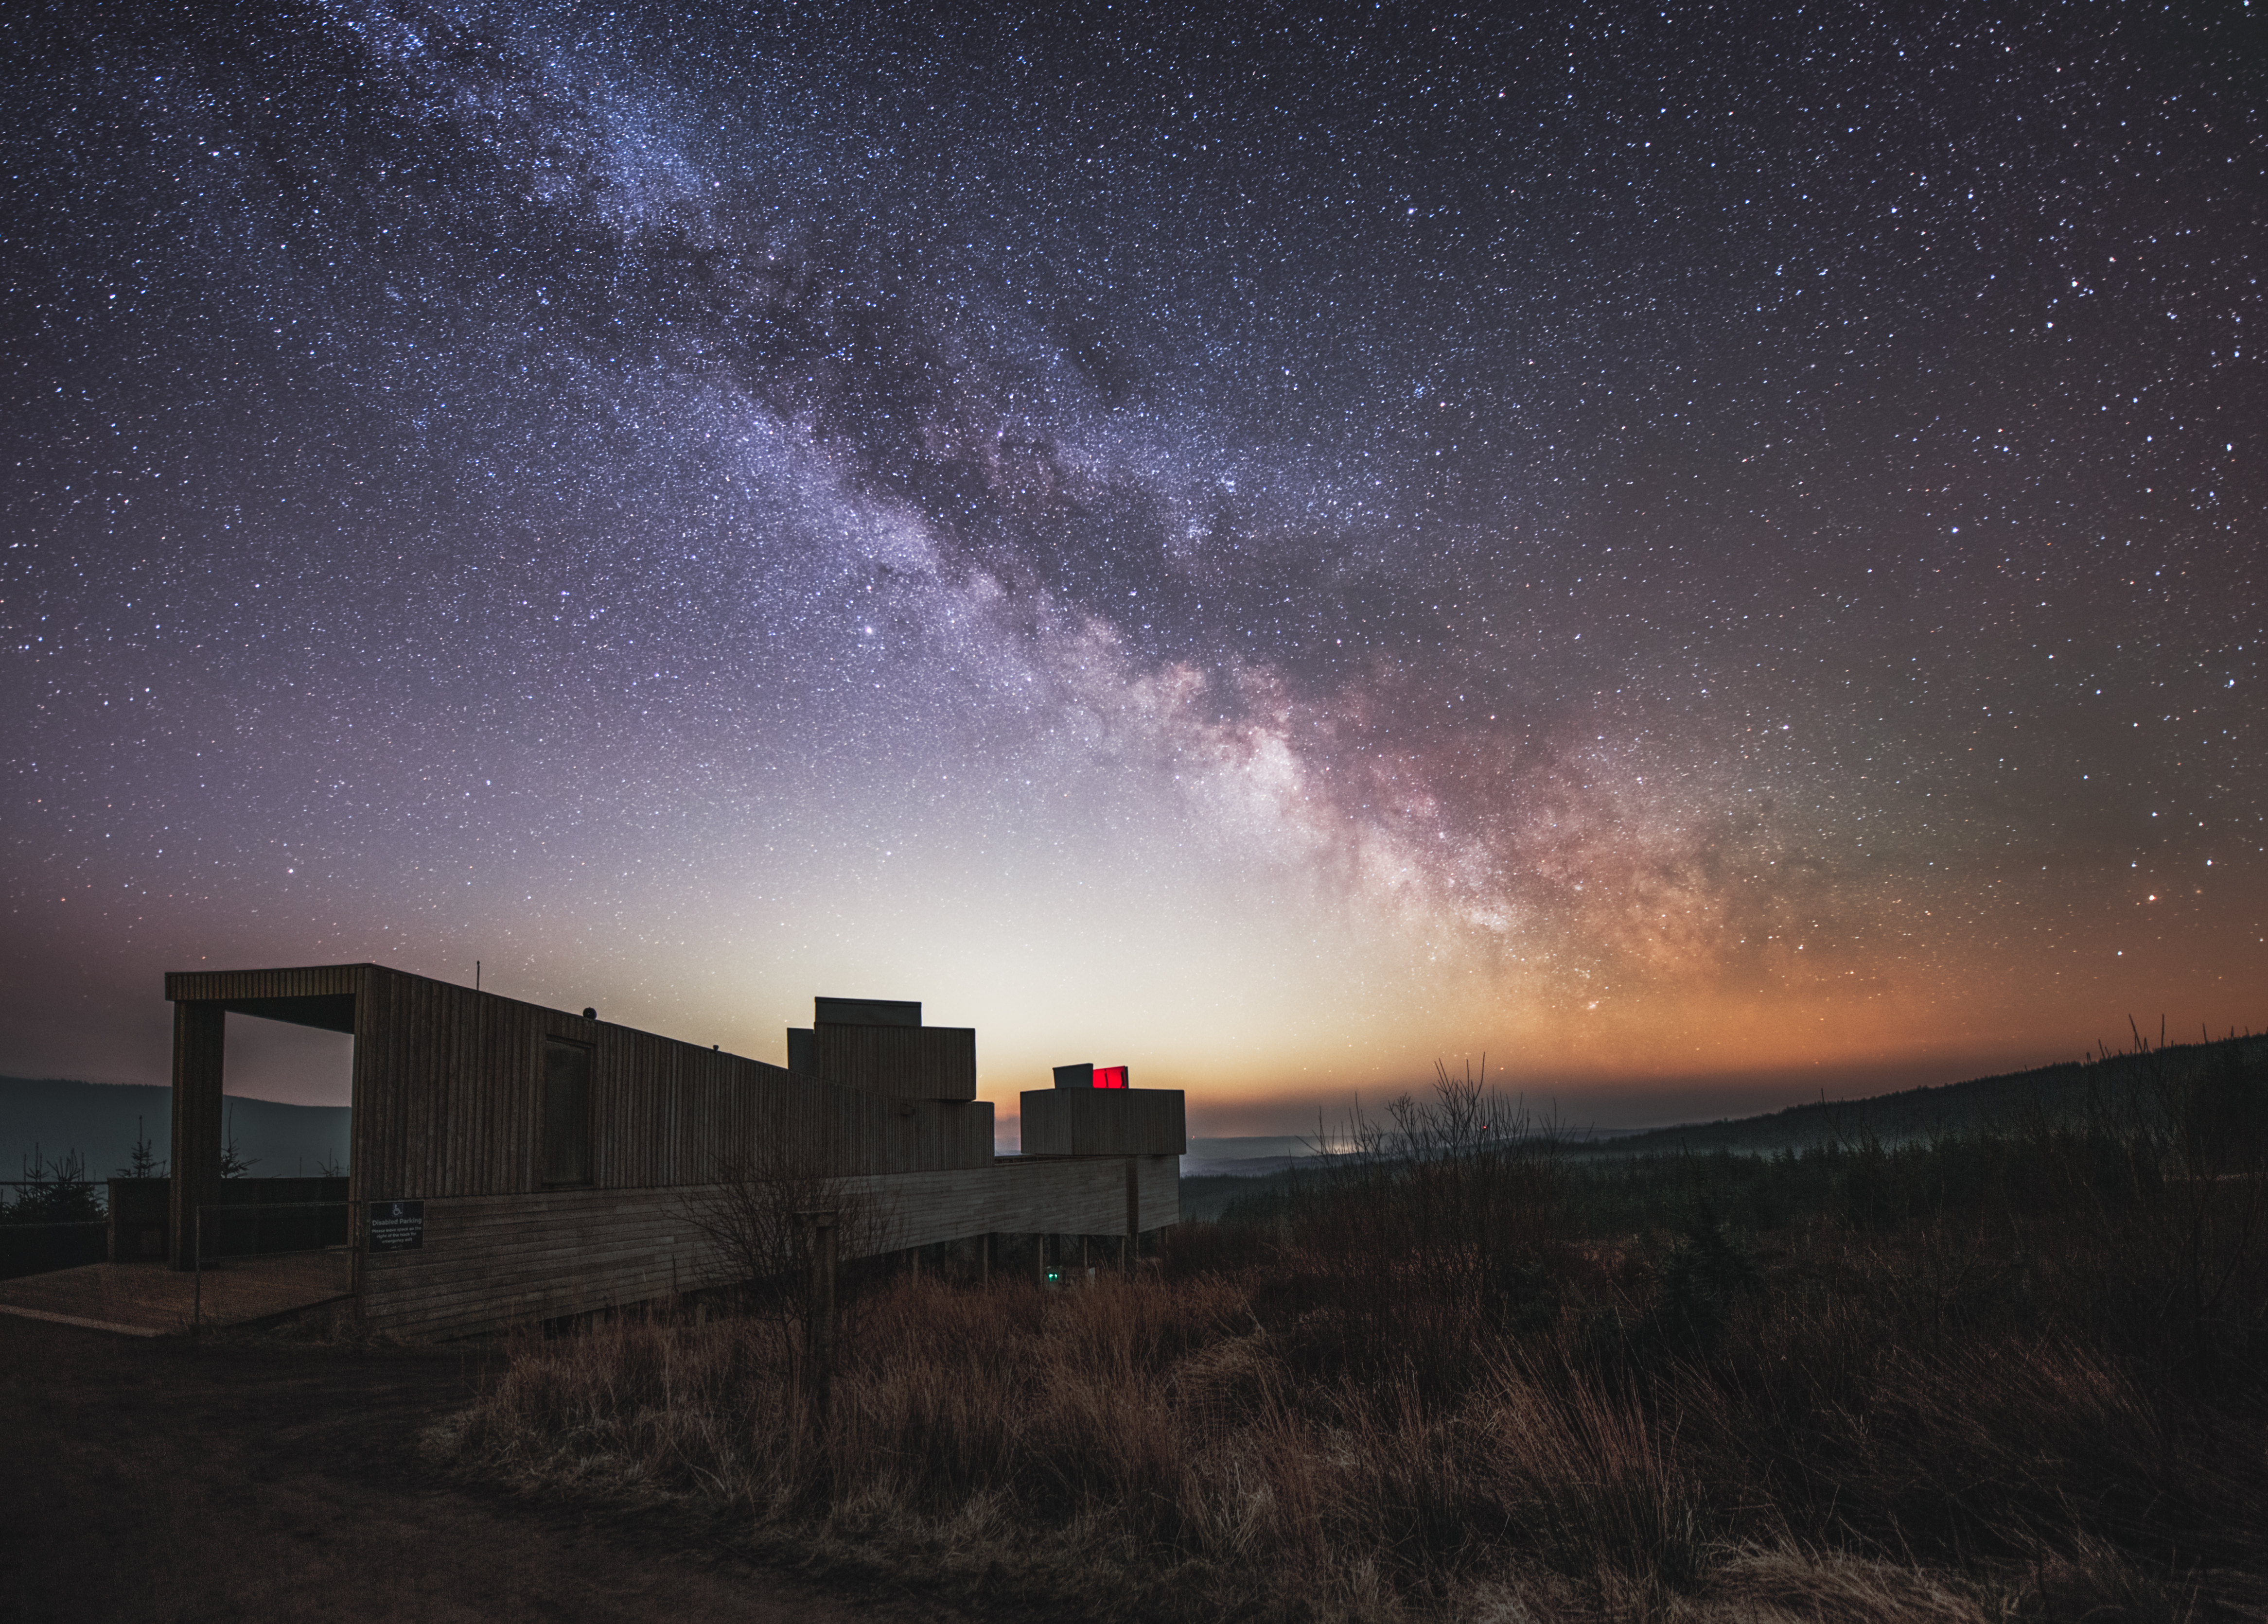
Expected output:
(497, 1260)
(907, 1062)
(448, 1108)
(448, 1094)
(456, 1098)
(1105, 1121)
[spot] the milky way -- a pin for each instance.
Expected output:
(1695, 544)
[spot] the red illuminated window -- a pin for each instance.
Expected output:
(1110, 1076)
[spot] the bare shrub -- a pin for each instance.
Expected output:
(756, 1218)
(1417, 1233)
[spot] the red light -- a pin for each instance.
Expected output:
(1110, 1076)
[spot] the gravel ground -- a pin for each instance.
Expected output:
(162, 1481)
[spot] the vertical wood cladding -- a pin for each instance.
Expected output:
(907, 1062)
(448, 1094)
(866, 1011)
(1104, 1121)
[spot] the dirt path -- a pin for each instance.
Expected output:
(163, 1481)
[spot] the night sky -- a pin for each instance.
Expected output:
(1710, 553)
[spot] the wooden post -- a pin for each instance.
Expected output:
(984, 1260)
(819, 1323)
(1133, 1243)
(200, 1032)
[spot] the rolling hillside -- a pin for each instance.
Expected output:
(53, 1117)
(2062, 1091)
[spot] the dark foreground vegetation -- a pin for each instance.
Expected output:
(256, 1476)
(2018, 1370)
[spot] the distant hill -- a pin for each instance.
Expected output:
(1220, 1172)
(1245, 1157)
(97, 1121)
(2062, 1091)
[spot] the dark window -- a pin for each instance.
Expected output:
(566, 1112)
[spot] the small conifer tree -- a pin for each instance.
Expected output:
(143, 1164)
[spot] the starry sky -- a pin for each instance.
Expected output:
(1705, 554)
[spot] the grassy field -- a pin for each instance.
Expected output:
(2016, 1368)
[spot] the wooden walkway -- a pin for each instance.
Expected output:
(149, 1299)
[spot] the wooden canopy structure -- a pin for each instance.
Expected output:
(510, 1162)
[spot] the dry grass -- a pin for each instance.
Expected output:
(2025, 1381)
(1148, 1451)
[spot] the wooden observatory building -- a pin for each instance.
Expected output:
(511, 1163)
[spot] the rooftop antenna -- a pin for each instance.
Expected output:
(476, 975)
